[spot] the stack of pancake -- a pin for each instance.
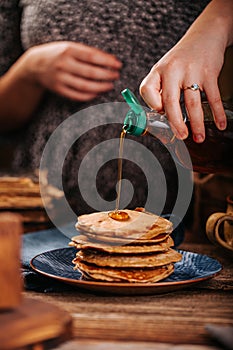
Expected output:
(22, 195)
(136, 250)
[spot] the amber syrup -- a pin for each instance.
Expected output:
(117, 214)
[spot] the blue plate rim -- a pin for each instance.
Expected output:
(125, 284)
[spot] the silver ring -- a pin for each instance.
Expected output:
(193, 87)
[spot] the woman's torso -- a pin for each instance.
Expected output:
(138, 32)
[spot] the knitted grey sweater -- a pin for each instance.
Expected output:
(138, 32)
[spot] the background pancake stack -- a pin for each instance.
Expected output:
(22, 195)
(136, 250)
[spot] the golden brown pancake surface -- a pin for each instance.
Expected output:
(125, 275)
(81, 242)
(128, 260)
(122, 240)
(139, 225)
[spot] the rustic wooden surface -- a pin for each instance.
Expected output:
(34, 323)
(10, 277)
(167, 319)
(119, 345)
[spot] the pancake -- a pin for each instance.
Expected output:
(127, 260)
(81, 242)
(139, 225)
(127, 275)
(122, 240)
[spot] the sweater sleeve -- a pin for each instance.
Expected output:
(10, 44)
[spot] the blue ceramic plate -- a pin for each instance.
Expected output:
(193, 268)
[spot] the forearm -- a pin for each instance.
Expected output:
(19, 96)
(217, 21)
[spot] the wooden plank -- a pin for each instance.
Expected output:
(174, 317)
(10, 278)
(33, 322)
(100, 345)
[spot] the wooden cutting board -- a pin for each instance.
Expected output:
(34, 323)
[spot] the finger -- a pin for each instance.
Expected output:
(95, 56)
(75, 94)
(89, 71)
(195, 114)
(214, 98)
(84, 85)
(171, 103)
(150, 90)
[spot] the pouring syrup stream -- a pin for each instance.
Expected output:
(117, 214)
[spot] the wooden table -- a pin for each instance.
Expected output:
(151, 322)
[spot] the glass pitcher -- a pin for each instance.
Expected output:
(214, 155)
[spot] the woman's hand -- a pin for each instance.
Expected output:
(181, 67)
(196, 59)
(71, 69)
